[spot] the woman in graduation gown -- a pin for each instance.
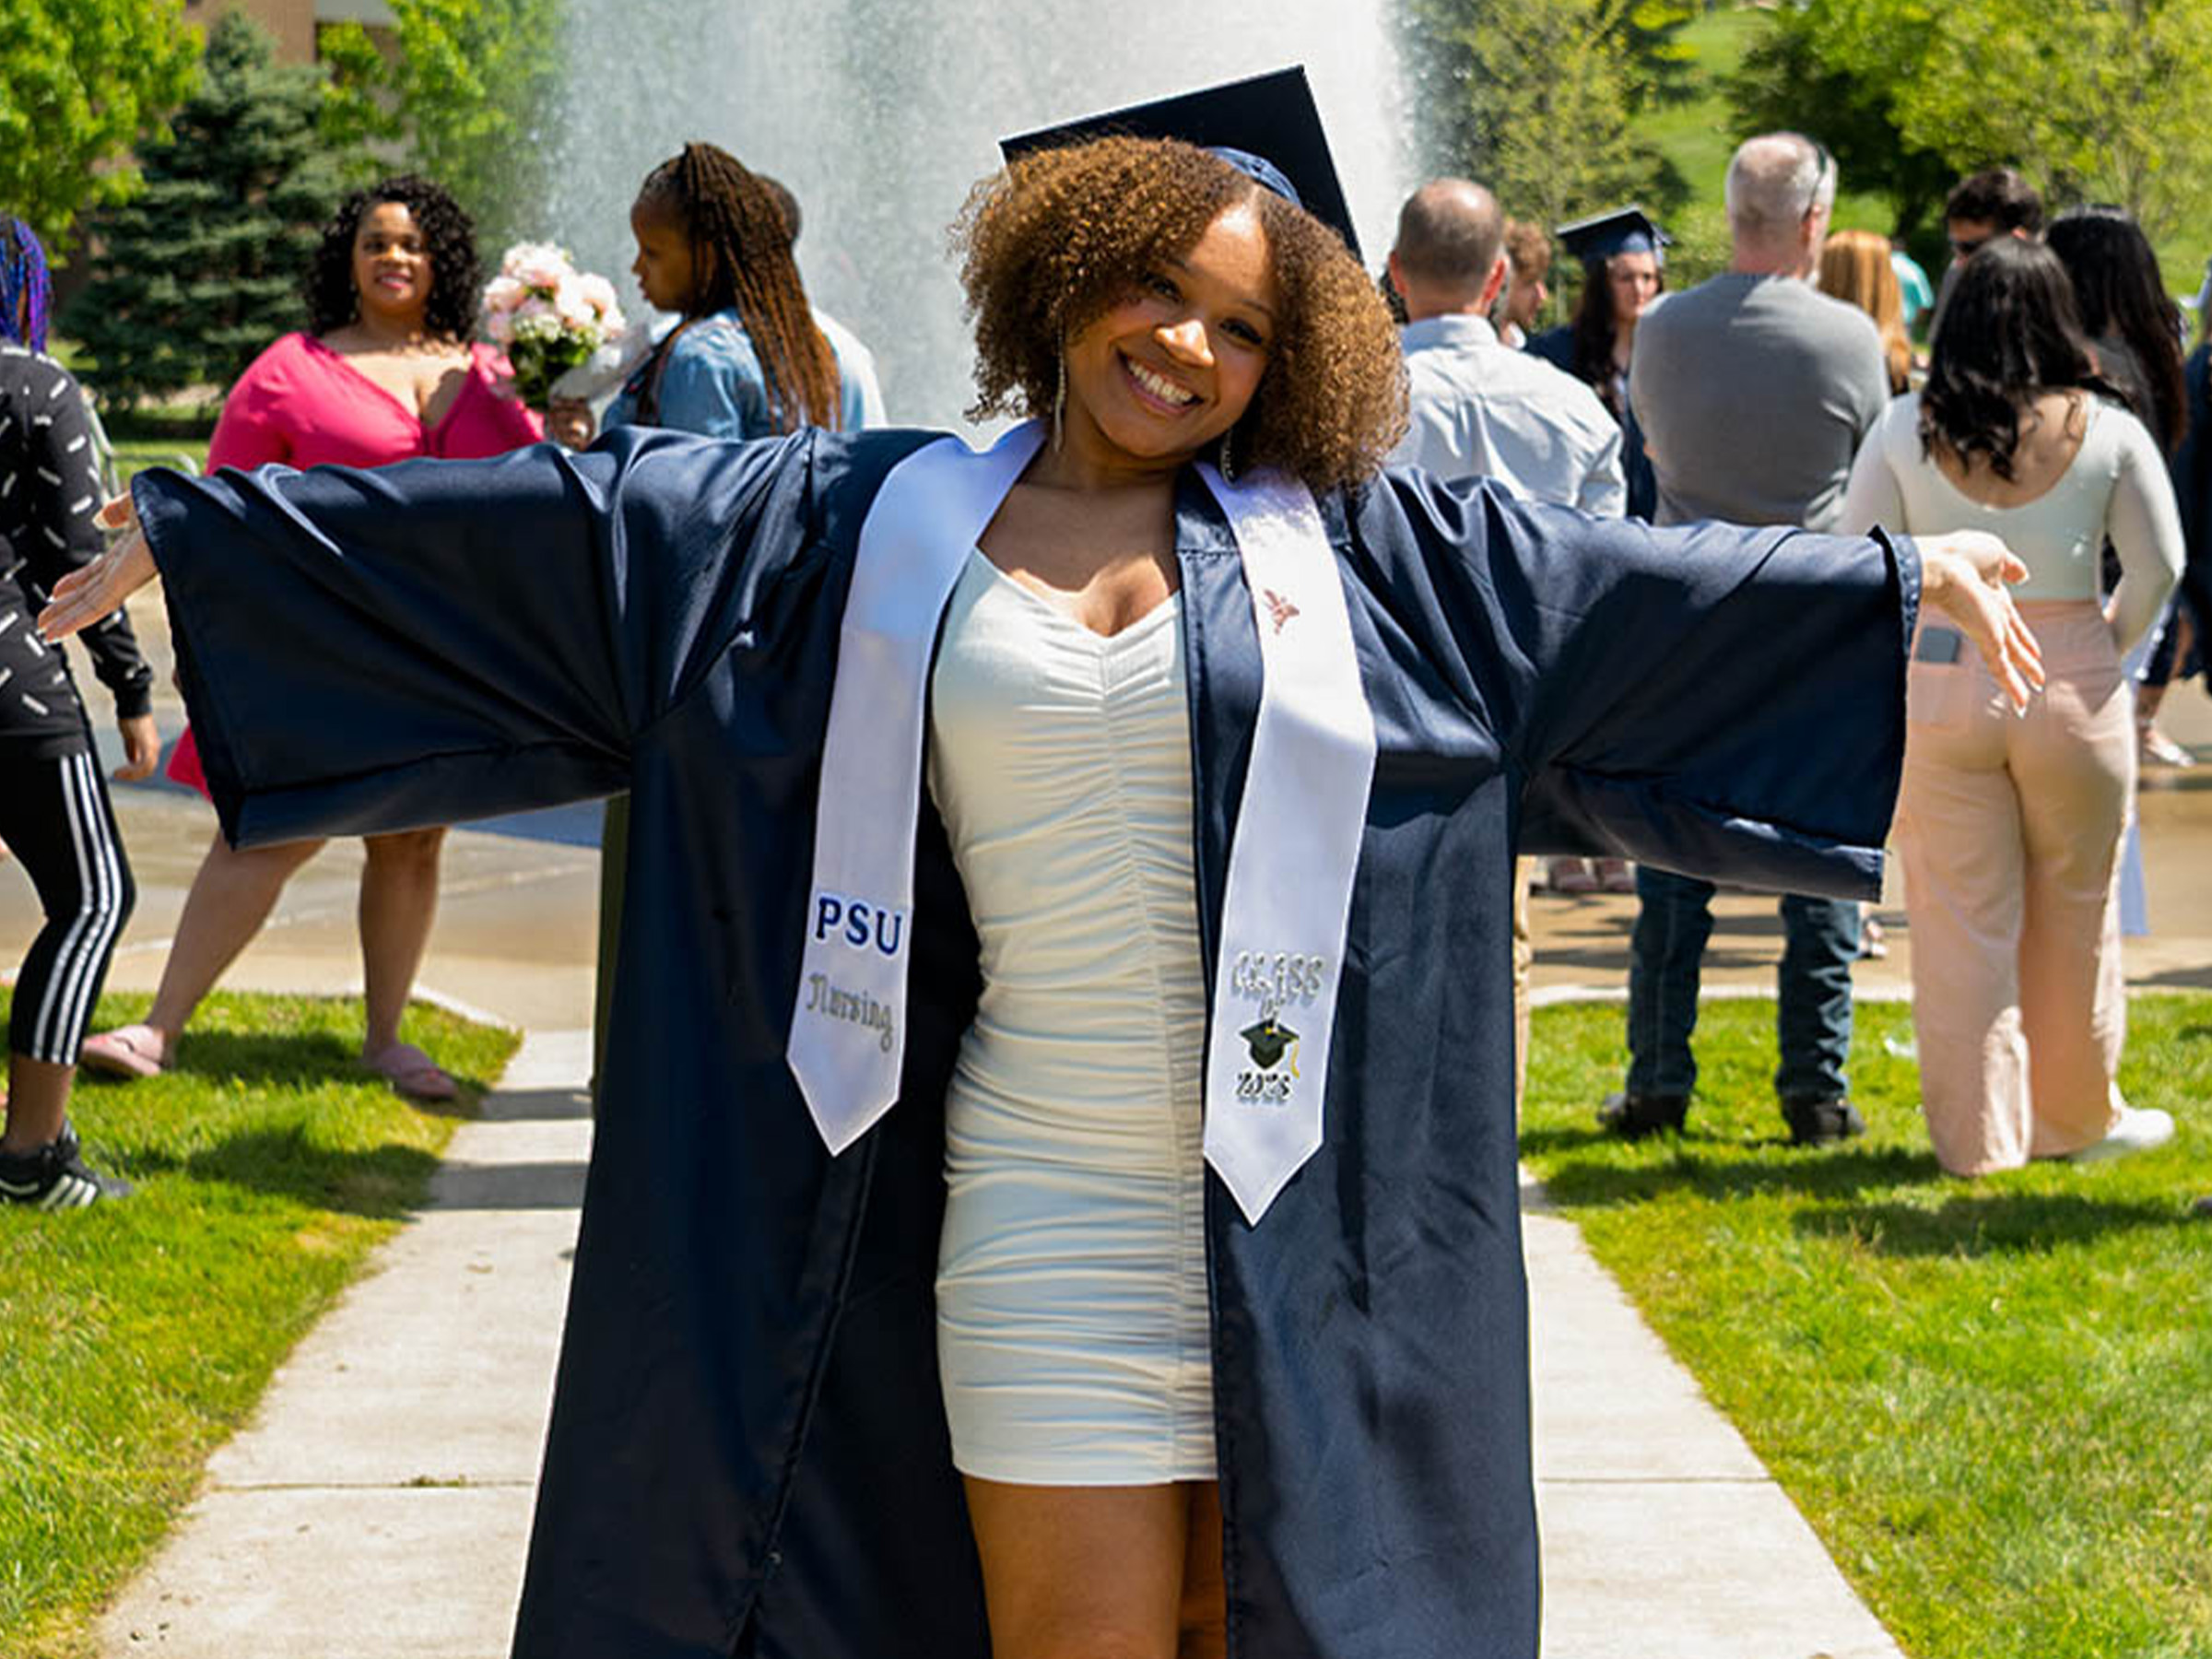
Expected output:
(749, 1449)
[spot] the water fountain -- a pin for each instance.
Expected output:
(880, 114)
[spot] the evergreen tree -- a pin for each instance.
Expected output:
(202, 268)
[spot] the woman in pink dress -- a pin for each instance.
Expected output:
(384, 372)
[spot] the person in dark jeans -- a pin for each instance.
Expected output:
(1666, 950)
(1754, 390)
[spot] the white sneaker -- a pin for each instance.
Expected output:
(2139, 1129)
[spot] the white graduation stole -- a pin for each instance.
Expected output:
(1290, 869)
(1296, 849)
(847, 1029)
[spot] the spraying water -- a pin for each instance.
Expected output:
(880, 114)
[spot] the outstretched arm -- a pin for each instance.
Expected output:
(1715, 700)
(439, 641)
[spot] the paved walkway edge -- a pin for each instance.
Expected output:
(1663, 1533)
(379, 1503)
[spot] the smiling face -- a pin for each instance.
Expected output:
(667, 268)
(1174, 363)
(392, 265)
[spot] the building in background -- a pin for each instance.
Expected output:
(296, 24)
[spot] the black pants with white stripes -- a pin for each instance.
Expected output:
(55, 818)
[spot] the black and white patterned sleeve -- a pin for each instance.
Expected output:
(50, 495)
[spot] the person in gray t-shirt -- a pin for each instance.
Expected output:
(1753, 390)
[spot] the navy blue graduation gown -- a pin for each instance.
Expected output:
(747, 1452)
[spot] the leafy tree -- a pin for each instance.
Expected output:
(2094, 99)
(468, 98)
(202, 268)
(1665, 62)
(1805, 71)
(1539, 99)
(81, 81)
(2106, 100)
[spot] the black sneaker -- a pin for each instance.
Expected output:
(1821, 1120)
(55, 1178)
(1634, 1116)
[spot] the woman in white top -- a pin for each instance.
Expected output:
(2010, 826)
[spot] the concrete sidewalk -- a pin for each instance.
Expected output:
(379, 1501)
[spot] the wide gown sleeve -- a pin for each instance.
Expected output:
(1716, 700)
(432, 642)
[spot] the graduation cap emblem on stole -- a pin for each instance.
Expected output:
(1266, 1039)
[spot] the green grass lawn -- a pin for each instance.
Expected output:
(136, 1337)
(133, 455)
(1992, 1399)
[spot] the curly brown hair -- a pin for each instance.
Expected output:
(449, 237)
(1053, 243)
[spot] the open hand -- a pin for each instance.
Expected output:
(86, 594)
(1965, 575)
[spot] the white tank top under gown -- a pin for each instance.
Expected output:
(1073, 1336)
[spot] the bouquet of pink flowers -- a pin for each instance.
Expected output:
(550, 317)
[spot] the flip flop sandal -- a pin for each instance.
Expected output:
(412, 1073)
(131, 1051)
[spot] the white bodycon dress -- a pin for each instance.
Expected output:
(1073, 1336)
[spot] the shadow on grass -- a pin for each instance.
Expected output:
(2180, 979)
(1718, 1168)
(1982, 1224)
(380, 1182)
(290, 1060)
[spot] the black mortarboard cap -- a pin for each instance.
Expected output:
(1622, 230)
(1267, 127)
(1267, 1039)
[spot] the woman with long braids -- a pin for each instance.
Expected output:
(1054, 1187)
(53, 802)
(746, 358)
(382, 372)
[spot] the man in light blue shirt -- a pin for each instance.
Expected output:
(1477, 406)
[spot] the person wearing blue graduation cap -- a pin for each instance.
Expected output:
(1624, 269)
(1054, 1188)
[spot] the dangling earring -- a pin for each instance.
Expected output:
(1059, 393)
(1229, 464)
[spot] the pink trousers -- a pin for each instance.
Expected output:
(2010, 830)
